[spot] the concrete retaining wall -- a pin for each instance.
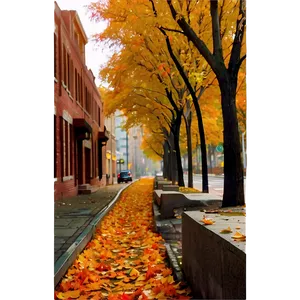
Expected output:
(213, 266)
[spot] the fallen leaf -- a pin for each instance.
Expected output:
(69, 294)
(226, 230)
(207, 221)
(238, 236)
(126, 259)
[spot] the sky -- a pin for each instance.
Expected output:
(95, 54)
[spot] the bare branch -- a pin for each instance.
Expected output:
(233, 66)
(150, 146)
(153, 8)
(218, 52)
(173, 30)
(241, 61)
(152, 91)
(191, 35)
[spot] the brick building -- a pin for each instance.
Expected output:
(79, 132)
(111, 157)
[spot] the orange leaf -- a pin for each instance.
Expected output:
(69, 294)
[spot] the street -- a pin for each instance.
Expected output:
(215, 183)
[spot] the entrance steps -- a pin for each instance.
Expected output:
(87, 189)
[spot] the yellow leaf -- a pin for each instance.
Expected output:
(163, 280)
(227, 230)
(170, 279)
(161, 295)
(142, 277)
(207, 221)
(69, 294)
(94, 286)
(239, 236)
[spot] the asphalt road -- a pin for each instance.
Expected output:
(215, 183)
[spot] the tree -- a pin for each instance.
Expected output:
(227, 75)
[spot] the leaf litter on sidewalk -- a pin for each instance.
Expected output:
(126, 259)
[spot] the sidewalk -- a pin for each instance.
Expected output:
(74, 214)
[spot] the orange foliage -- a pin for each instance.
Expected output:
(125, 260)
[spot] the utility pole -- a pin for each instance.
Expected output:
(243, 149)
(135, 156)
(127, 162)
(197, 155)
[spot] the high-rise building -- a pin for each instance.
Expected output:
(122, 146)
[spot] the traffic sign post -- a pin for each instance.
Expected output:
(219, 148)
(120, 162)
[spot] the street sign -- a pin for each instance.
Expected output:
(219, 148)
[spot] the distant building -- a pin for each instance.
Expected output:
(137, 159)
(122, 146)
(111, 157)
(79, 132)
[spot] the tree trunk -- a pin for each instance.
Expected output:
(233, 169)
(233, 172)
(203, 148)
(166, 160)
(188, 123)
(172, 158)
(176, 131)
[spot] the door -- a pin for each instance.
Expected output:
(79, 164)
(87, 155)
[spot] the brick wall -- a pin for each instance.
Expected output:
(71, 103)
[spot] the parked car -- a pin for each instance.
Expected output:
(124, 176)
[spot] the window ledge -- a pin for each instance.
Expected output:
(66, 178)
(55, 179)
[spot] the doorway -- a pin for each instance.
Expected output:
(79, 165)
(87, 156)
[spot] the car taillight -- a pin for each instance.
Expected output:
(118, 175)
(129, 174)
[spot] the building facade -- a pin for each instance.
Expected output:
(122, 145)
(79, 131)
(137, 159)
(111, 157)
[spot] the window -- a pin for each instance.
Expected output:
(95, 158)
(88, 102)
(85, 96)
(68, 83)
(66, 149)
(76, 85)
(67, 139)
(71, 79)
(99, 116)
(65, 65)
(81, 91)
(55, 168)
(53, 56)
(71, 149)
(62, 146)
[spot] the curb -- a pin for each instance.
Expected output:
(66, 260)
(173, 262)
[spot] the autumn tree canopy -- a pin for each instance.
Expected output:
(145, 79)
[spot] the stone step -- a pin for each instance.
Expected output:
(84, 187)
(88, 190)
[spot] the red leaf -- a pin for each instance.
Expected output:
(125, 297)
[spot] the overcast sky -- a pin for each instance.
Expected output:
(94, 55)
